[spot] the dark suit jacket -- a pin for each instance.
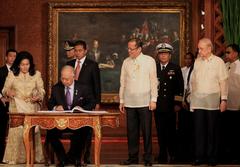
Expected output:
(90, 76)
(171, 85)
(3, 76)
(82, 97)
(3, 112)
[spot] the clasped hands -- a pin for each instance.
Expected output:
(11, 94)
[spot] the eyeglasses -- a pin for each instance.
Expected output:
(227, 52)
(132, 49)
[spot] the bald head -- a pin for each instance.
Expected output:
(67, 75)
(207, 42)
(205, 47)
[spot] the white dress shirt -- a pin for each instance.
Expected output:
(138, 81)
(163, 66)
(208, 83)
(233, 102)
(185, 72)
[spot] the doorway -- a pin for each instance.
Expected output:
(7, 40)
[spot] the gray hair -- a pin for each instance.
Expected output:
(68, 68)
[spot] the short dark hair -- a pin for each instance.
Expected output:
(191, 55)
(138, 42)
(82, 43)
(234, 47)
(10, 50)
(21, 56)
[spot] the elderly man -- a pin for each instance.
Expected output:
(208, 98)
(138, 96)
(170, 90)
(65, 95)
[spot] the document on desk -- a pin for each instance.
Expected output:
(76, 109)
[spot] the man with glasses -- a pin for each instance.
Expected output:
(138, 96)
(231, 118)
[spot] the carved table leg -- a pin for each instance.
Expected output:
(98, 141)
(27, 138)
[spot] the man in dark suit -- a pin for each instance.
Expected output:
(10, 57)
(65, 95)
(87, 73)
(185, 117)
(170, 90)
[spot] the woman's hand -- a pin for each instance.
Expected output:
(10, 93)
(35, 99)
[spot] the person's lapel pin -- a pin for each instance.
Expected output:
(76, 92)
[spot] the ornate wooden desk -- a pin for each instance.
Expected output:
(61, 120)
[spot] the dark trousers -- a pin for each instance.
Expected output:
(206, 124)
(166, 132)
(3, 128)
(230, 136)
(185, 136)
(139, 118)
(77, 144)
(87, 150)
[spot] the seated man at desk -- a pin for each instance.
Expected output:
(65, 95)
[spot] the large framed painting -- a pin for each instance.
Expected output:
(106, 26)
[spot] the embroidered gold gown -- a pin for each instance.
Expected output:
(24, 86)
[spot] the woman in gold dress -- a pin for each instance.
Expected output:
(24, 88)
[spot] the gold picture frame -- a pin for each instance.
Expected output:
(112, 23)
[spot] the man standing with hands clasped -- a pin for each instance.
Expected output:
(209, 90)
(138, 96)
